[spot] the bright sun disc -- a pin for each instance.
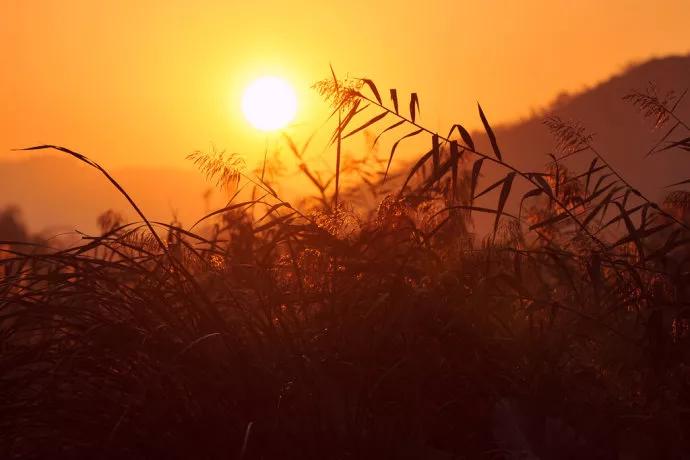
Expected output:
(269, 103)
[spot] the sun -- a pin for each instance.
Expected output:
(269, 103)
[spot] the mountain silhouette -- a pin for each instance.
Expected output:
(620, 132)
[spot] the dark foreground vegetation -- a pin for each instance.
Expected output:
(338, 330)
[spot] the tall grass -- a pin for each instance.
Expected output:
(271, 330)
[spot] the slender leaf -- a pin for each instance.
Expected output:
(490, 133)
(550, 221)
(686, 181)
(366, 125)
(393, 126)
(683, 144)
(589, 173)
(542, 183)
(466, 138)
(505, 193)
(416, 168)
(598, 208)
(414, 106)
(476, 169)
(395, 146)
(531, 193)
(490, 188)
(373, 89)
(394, 97)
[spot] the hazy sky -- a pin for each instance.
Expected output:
(131, 82)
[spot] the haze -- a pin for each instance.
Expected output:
(133, 83)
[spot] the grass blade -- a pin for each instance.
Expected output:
(393, 126)
(476, 169)
(466, 138)
(395, 146)
(373, 89)
(366, 125)
(505, 193)
(490, 133)
(394, 97)
(414, 106)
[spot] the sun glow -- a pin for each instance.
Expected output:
(269, 103)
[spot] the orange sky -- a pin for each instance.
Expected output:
(146, 82)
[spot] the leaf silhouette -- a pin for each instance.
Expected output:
(549, 221)
(686, 181)
(393, 126)
(619, 217)
(366, 125)
(373, 89)
(466, 138)
(598, 208)
(414, 106)
(344, 121)
(395, 146)
(531, 193)
(394, 97)
(416, 168)
(683, 144)
(539, 178)
(590, 171)
(505, 193)
(476, 169)
(490, 188)
(490, 133)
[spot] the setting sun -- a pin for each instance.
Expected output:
(269, 103)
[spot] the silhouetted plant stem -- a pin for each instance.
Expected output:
(495, 160)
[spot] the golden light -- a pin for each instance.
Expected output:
(269, 103)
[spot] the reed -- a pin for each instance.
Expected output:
(272, 330)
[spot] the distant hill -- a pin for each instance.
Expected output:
(621, 133)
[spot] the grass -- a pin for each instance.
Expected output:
(271, 330)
